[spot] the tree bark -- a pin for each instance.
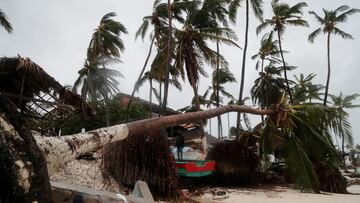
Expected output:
(220, 133)
(59, 150)
(24, 176)
(168, 61)
(142, 72)
(31, 175)
(284, 64)
(150, 94)
(242, 82)
(107, 111)
(328, 75)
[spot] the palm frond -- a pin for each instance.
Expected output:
(343, 34)
(4, 22)
(299, 165)
(343, 17)
(313, 35)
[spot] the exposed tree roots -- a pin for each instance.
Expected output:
(24, 176)
(142, 157)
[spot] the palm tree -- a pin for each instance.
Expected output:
(329, 26)
(303, 134)
(268, 87)
(284, 15)
(168, 59)
(4, 22)
(219, 13)
(305, 90)
(191, 48)
(269, 50)
(220, 77)
(94, 83)
(343, 127)
(160, 18)
(104, 47)
(105, 41)
(257, 8)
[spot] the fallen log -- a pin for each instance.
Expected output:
(59, 150)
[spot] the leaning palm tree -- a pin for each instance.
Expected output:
(257, 8)
(284, 15)
(105, 45)
(4, 22)
(329, 26)
(343, 127)
(105, 41)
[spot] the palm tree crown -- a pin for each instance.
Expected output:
(330, 21)
(105, 41)
(269, 50)
(284, 15)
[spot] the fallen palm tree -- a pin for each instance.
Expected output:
(59, 150)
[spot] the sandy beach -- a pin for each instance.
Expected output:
(87, 173)
(279, 195)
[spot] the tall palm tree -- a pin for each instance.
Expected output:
(105, 46)
(329, 26)
(284, 15)
(191, 48)
(269, 50)
(220, 77)
(4, 22)
(343, 128)
(257, 8)
(219, 13)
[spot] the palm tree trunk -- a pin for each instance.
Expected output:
(168, 60)
(342, 143)
(59, 150)
(243, 63)
(262, 65)
(328, 75)
(160, 95)
(210, 124)
(220, 133)
(228, 119)
(150, 93)
(142, 72)
(284, 64)
(107, 112)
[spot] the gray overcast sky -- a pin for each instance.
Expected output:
(55, 34)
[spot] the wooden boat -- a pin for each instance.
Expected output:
(195, 168)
